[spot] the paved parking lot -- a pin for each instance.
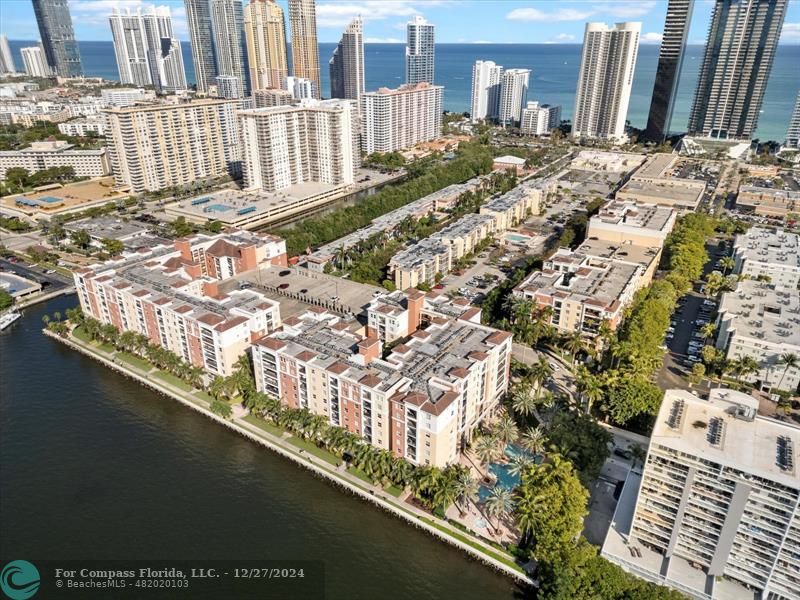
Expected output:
(298, 289)
(676, 362)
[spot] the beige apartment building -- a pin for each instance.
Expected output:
(768, 202)
(156, 146)
(305, 49)
(313, 141)
(49, 154)
(715, 513)
(583, 290)
(632, 223)
(170, 293)
(391, 316)
(265, 37)
(421, 403)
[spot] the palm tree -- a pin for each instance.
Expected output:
(541, 371)
(218, 388)
(708, 330)
(446, 489)
(789, 361)
(520, 463)
(727, 263)
(533, 440)
(499, 504)
(468, 489)
(505, 429)
(746, 365)
(590, 387)
(523, 402)
(487, 449)
(573, 343)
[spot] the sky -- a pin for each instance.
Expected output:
(457, 21)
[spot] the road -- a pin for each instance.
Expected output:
(18, 242)
(50, 281)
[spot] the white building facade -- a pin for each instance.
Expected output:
(513, 95)
(401, 118)
(420, 51)
(314, 141)
(605, 80)
(539, 119)
(487, 79)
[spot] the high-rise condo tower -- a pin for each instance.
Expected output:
(305, 51)
(419, 51)
(347, 63)
(58, 38)
(265, 35)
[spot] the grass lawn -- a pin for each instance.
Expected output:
(106, 347)
(393, 490)
(360, 474)
(262, 424)
(312, 449)
(172, 380)
(80, 333)
(135, 361)
(505, 559)
(204, 396)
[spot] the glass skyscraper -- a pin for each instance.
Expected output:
(58, 37)
(670, 57)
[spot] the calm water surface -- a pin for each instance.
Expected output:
(93, 466)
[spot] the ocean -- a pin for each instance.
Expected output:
(555, 74)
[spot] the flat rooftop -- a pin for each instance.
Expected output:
(635, 214)
(656, 165)
(769, 245)
(598, 282)
(106, 227)
(734, 434)
(759, 311)
(672, 191)
(625, 252)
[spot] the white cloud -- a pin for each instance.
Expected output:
(618, 10)
(790, 33)
(339, 14)
(625, 10)
(383, 40)
(651, 38)
(482, 42)
(561, 38)
(534, 14)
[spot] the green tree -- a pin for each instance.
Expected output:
(499, 504)
(221, 408)
(788, 360)
(113, 247)
(550, 507)
(6, 300)
(632, 396)
(81, 238)
(579, 438)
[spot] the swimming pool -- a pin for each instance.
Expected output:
(520, 239)
(502, 470)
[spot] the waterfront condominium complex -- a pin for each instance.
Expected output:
(670, 58)
(604, 80)
(422, 402)
(35, 62)
(58, 38)
(305, 50)
(198, 20)
(147, 51)
(170, 293)
(347, 63)
(420, 51)
(156, 146)
(395, 119)
(265, 35)
(51, 154)
(311, 142)
(513, 95)
(742, 40)
(487, 79)
(715, 512)
(539, 119)
(793, 133)
(227, 26)
(6, 60)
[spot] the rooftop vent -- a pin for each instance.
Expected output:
(676, 413)
(785, 451)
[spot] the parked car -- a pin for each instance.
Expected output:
(626, 454)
